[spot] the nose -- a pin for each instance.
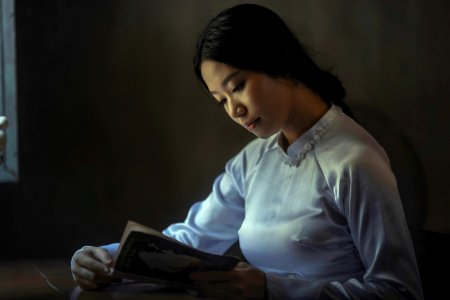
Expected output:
(237, 111)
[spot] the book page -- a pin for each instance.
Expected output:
(147, 255)
(133, 226)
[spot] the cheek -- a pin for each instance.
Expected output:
(278, 99)
(257, 97)
(265, 100)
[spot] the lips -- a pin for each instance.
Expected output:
(250, 126)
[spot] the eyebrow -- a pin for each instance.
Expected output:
(226, 80)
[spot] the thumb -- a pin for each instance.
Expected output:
(242, 265)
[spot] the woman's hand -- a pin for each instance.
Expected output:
(90, 268)
(243, 282)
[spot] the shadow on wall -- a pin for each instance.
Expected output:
(405, 162)
(431, 248)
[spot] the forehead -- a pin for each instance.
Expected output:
(213, 73)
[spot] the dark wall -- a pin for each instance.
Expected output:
(114, 126)
(103, 138)
(59, 50)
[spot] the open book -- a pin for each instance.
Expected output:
(146, 254)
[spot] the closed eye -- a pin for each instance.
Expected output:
(239, 87)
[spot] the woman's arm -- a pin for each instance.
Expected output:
(212, 225)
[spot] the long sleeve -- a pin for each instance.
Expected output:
(111, 248)
(366, 192)
(212, 225)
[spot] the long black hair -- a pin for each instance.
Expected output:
(252, 37)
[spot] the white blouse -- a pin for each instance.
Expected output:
(324, 220)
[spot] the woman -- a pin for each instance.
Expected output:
(312, 201)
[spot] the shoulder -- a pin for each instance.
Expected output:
(252, 154)
(350, 159)
(257, 148)
(347, 148)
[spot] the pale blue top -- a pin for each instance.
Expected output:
(323, 220)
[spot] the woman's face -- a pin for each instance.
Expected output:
(260, 103)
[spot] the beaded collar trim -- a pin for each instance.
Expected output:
(298, 149)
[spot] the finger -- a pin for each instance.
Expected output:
(102, 255)
(212, 276)
(85, 261)
(242, 265)
(91, 276)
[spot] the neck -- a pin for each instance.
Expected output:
(308, 111)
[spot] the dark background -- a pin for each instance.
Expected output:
(114, 126)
